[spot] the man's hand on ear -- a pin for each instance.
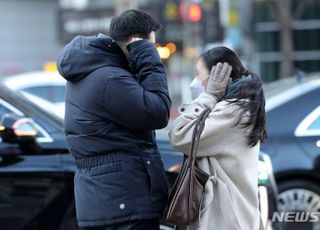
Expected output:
(134, 39)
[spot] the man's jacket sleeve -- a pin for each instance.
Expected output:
(140, 104)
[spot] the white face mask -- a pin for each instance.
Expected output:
(197, 87)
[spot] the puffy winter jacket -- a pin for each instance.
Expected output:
(113, 107)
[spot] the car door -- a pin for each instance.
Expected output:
(32, 188)
(308, 134)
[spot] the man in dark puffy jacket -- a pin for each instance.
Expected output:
(116, 96)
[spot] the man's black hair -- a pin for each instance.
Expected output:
(132, 22)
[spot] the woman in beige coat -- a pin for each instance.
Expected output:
(230, 142)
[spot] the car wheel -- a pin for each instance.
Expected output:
(299, 196)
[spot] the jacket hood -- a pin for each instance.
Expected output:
(237, 86)
(84, 55)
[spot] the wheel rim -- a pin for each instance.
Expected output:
(299, 200)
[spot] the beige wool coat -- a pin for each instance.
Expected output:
(231, 195)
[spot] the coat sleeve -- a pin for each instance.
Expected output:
(143, 104)
(219, 128)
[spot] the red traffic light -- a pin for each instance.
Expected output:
(194, 12)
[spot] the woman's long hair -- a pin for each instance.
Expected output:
(249, 88)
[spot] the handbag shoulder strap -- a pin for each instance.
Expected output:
(198, 128)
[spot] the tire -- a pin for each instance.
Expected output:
(299, 196)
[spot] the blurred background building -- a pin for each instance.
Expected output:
(274, 38)
(287, 36)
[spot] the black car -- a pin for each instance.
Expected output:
(36, 188)
(36, 172)
(293, 121)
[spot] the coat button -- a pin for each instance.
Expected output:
(148, 162)
(122, 206)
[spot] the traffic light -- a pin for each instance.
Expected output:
(194, 12)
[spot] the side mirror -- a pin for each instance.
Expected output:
(17, 130)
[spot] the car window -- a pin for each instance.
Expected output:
(310, 125)
(4, 110)
(58, 94)
(52, 93)
(6, 107)
(315, 125)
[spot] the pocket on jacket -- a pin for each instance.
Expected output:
(157, 177)
(105, 169)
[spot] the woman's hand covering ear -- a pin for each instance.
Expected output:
(218, 80)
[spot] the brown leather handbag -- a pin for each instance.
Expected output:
(185, 199)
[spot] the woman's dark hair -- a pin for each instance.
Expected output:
(132, 22)
(242, 88)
